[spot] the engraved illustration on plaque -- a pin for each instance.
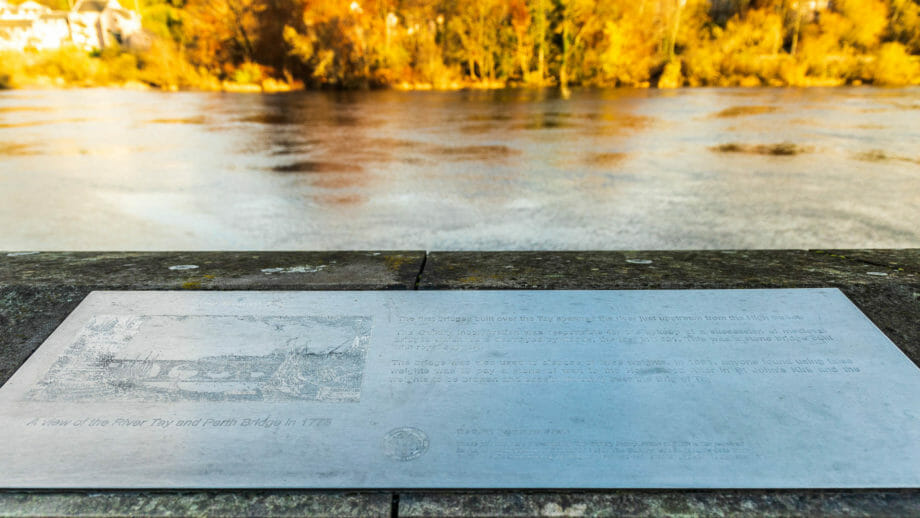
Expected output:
(210, 358)
(405, 443)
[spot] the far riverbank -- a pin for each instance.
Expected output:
(151, 70)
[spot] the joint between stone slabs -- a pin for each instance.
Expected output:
(421, 271)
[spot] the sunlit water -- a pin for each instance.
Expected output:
(122, 170)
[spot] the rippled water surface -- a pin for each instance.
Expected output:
(623, 169)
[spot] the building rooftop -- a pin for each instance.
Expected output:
(32, 5)
(88, 6)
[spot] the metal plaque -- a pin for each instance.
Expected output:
(462, 389)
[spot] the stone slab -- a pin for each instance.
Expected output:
(731, 388)
(224, 504)
(29, 313)
(213, 270)
(632, 503)
(644, 269)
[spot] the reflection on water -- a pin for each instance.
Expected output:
(605, 159)
(878, 155)
(5, 125)
(186, 120)
(312, 166)
(508, 169)
(14, 149)
(487, 153)
(739, 111)
(779, 149)
(14, 109)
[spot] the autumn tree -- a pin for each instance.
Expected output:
(523, 49)
(867, 21)
(438, 43)
(224, 31)
(629, 51)
(582, 21)
(540, 11)
(332, 46)
(477, 26)
(422, 41)
(904, 23)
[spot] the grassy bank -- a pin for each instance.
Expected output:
(155, 68)
(73, 67)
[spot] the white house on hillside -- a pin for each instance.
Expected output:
(49, 31)
(91, 25)
(101, 23)
(31, 9)
(14, 34)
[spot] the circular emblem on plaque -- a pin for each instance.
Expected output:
(405, 443)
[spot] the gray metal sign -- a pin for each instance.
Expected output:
(524, 389)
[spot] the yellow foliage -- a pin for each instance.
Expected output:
(792, 72)
(822, 56)
(248, 73)
(164, 66)
(267, 45)
(759, 31)
(867, 21)
(12, 69)
(905, 23)
(67, 66)
(671, 77)
(73, 65)
(703, 61)
(895, 67)
(628, 57)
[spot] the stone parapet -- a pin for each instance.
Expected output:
(37, 291)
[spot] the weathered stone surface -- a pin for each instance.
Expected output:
(28, 315)
(895, 309)
(213, 270)
(644, 503)
(899, 260)
(195, 503)
(669, 269)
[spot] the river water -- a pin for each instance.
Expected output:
(103, 169)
